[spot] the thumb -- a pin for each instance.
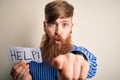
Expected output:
(58, 61)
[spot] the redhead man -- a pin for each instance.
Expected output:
(61, 59)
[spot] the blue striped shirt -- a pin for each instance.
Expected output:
(43, 71)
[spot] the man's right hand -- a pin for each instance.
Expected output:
(20, 71)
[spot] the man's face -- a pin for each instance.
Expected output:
(57, 38)
(60, 29)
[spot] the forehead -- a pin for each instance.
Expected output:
(60, 20)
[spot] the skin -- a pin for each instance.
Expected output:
(62, 26)
(70, 66)
(20, 71)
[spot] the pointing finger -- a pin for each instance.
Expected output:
(58, 61)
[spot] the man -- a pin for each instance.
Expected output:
(61, 59)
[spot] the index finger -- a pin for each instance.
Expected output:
(58, 61)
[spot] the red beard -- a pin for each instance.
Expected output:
(50, 49)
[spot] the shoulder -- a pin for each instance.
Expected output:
(84, 51)
(78, 48)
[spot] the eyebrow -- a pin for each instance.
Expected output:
(66, 21)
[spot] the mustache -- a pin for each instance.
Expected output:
(58, 38)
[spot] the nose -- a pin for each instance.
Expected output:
(58, 30)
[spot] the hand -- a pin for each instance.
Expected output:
(20, 71)
(71, 67)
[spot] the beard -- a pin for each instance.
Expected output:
(50, 49)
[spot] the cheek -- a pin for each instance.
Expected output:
(66, 34)
(50, 32)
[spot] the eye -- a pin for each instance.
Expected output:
(52, 24)
(65, 25)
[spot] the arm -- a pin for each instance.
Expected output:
(72, 66)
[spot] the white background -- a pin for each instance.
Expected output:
(96, 27)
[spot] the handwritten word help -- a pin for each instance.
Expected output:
(26, 54)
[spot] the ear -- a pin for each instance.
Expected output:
(72, 24)
(44, 23)
(71, 28)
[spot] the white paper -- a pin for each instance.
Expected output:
(17, 54)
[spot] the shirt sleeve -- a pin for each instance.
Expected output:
(91, 60)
